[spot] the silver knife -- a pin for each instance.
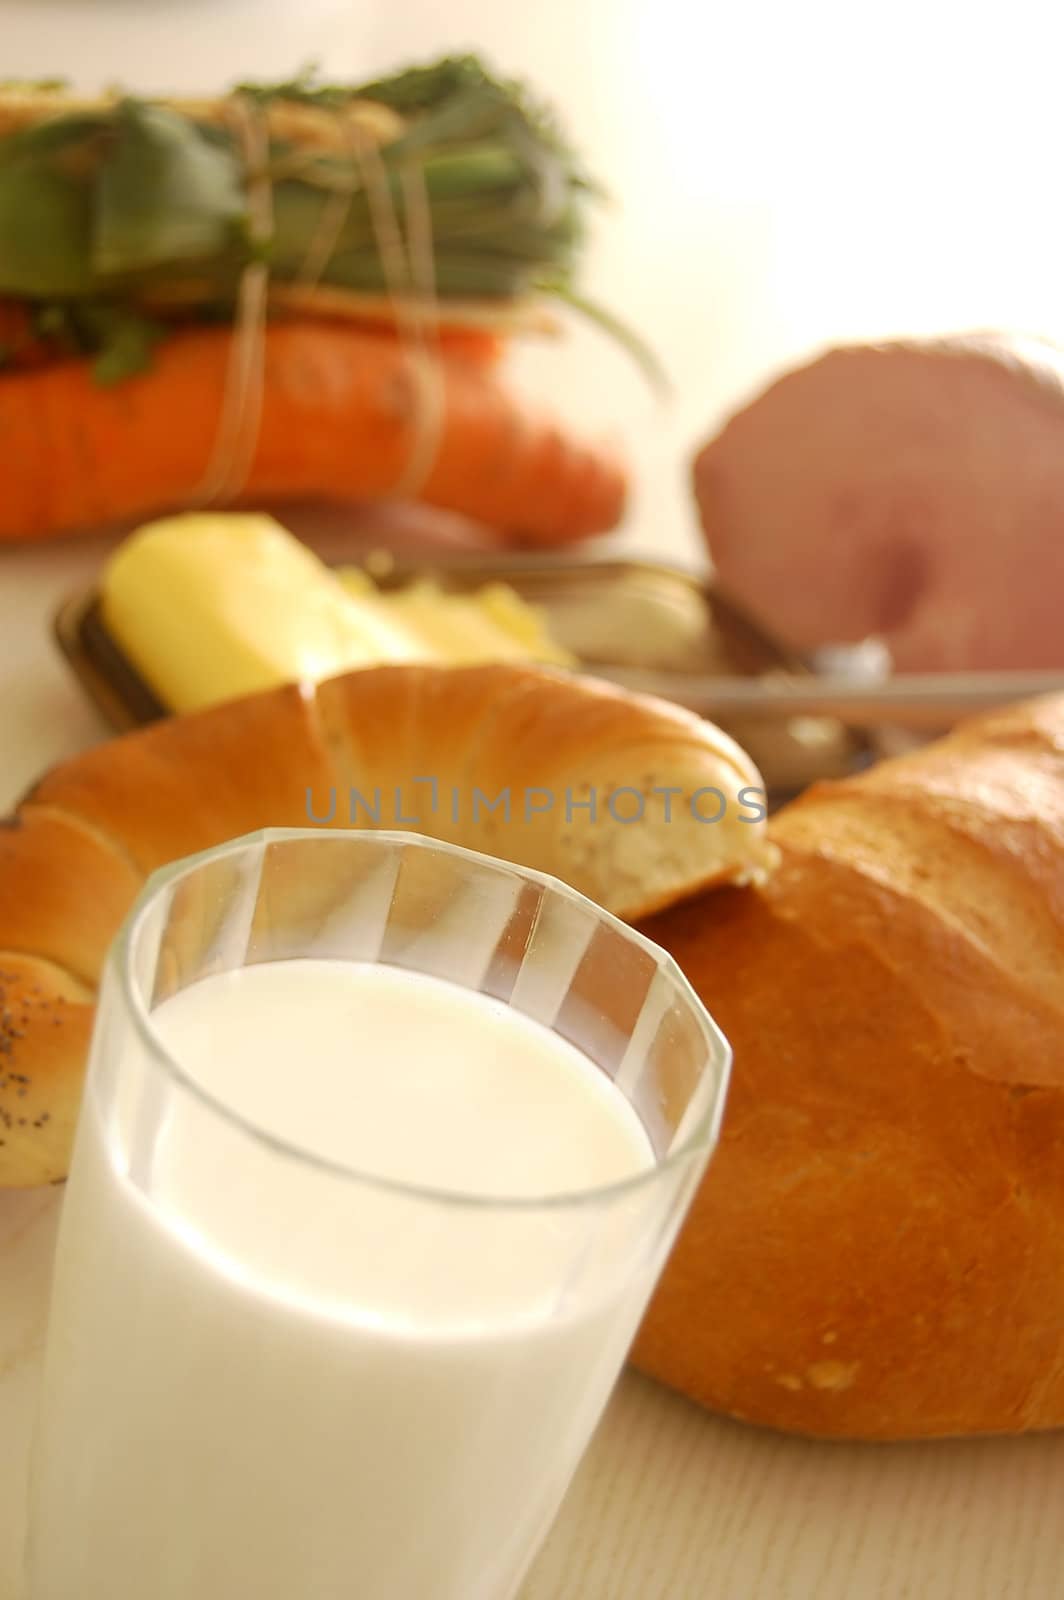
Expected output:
(931, 700)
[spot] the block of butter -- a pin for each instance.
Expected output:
(209, 606)
(493, 624)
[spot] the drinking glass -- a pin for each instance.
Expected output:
(279, 1377)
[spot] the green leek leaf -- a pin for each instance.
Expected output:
(123, 342)
(166, 194)
(46, 208)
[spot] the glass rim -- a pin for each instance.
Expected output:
(704, 1134)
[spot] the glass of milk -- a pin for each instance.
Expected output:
(382, 1149)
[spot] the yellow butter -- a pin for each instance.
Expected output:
(209, 607)
(493, 624)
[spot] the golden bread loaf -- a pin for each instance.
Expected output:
(877, 1250)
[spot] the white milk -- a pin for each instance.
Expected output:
(274, 1382)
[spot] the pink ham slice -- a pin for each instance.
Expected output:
(914, 492)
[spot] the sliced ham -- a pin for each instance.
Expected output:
(913, 492)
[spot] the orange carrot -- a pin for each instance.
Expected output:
(475, 344)
(340, 422)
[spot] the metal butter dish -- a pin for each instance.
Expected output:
(616, 617)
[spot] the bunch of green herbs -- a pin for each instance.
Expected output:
(107, 215)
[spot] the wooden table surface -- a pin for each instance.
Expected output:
(670, 1504)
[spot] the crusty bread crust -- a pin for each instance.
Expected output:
(86, 837)
(878, 1248)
